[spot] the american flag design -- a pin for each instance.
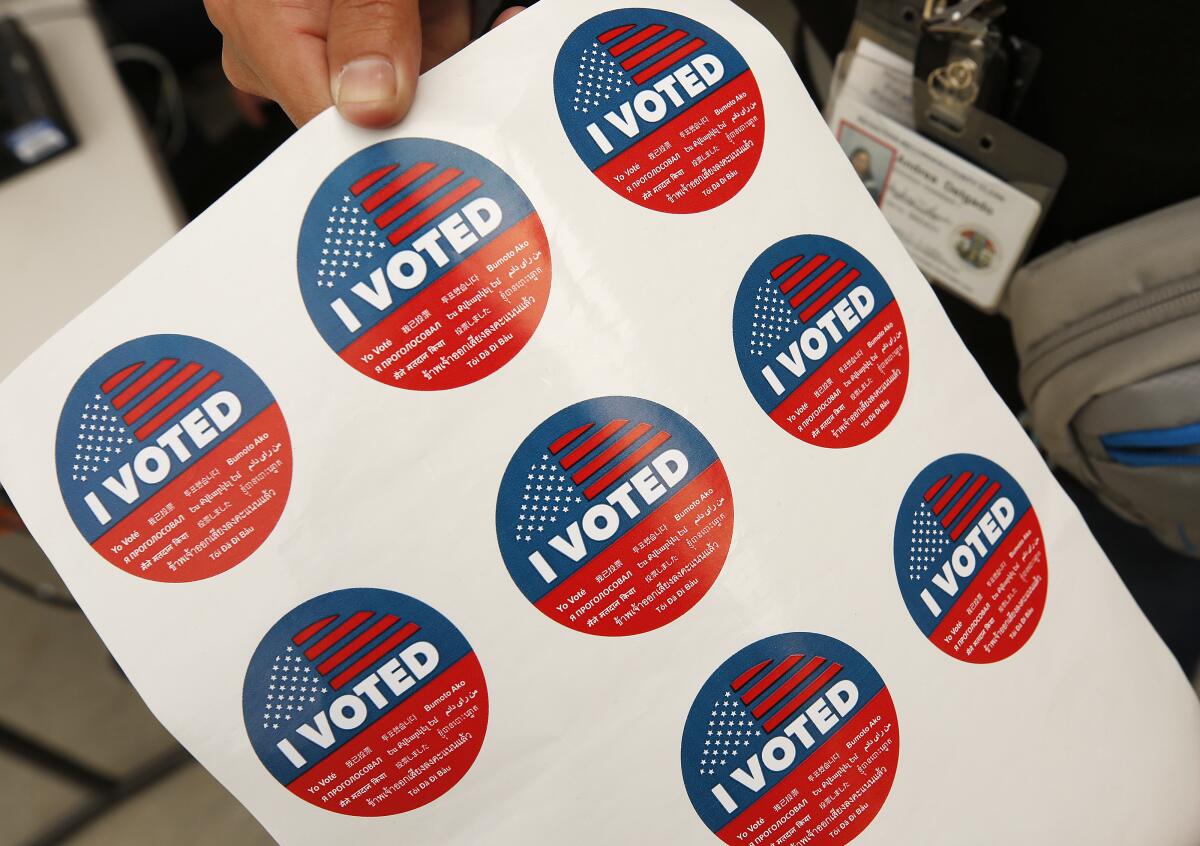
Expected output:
(612, 63)
(592, 458)
(324, 671)
(599, 78)
(549, 498)
(598, 455)
(101, 438)
(353, 241)
(393, 234)
(734, 728)
(773, 319)
(928, 542)
(965, 524)
(806, 337)
(292, 688)
(147, 395)
(769, 688)
(646, 51)
(129, 425)
(756, 708)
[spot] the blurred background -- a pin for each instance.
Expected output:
(152, 133)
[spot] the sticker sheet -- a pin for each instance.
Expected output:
(585, 460)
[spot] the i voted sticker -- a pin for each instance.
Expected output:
(971, 559)
(423, 265)
(173, 458)
(820, 341)
(662, 109)
(792, 740)
(614, 516)
(365, 702)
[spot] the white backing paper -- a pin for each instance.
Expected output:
(1087, 734)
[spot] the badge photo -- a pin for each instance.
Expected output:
(794, 739)
(662, 109)
(971, 559)
(820, 341)
(614, 516)
(423, 265)
(365, 702)
(173, 458)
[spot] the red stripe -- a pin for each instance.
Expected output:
(370, 179)
(796, 702)
(787, 687)
(616, 448)
(963, 501)
(433, 211)
(932, 492)
(956, 533)
(661, 65)
(161, 393)
(348, 651)
(841, 285)
(353, 622)
(615, 32)
(784, 267)
(307, 632)
(120, 376)
(210, 379)
(770, 679)
(634, 457)
(802, 274)
(414, 199)
(652, 50)
(816, 284)
(121, 399)
(569, 438)
(744, 679)
(634, 40)
(361, 664)
(396, 185)
(591, 443)
(940, 505)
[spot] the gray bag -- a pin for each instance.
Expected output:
(1108, 331)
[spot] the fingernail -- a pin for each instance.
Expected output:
(367, 79)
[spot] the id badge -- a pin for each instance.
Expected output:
(966, 229)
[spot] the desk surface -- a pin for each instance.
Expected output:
(72, 228)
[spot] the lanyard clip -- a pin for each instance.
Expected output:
(960, 57)
(968, 17)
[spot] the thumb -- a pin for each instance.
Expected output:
(374, 49)
(508, 14)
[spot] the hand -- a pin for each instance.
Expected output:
(363, 56)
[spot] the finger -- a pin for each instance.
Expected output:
(445, 29)
(507, 14)
(219, 13)
(239, 74)
(297, 77)
(374, 51)
(284, 45)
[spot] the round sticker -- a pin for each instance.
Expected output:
(614, 516)
(173, 458)
(365, 702)
(662, 109)
(423, 265)
(820, 341)
(970, 559)
(792, 740)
